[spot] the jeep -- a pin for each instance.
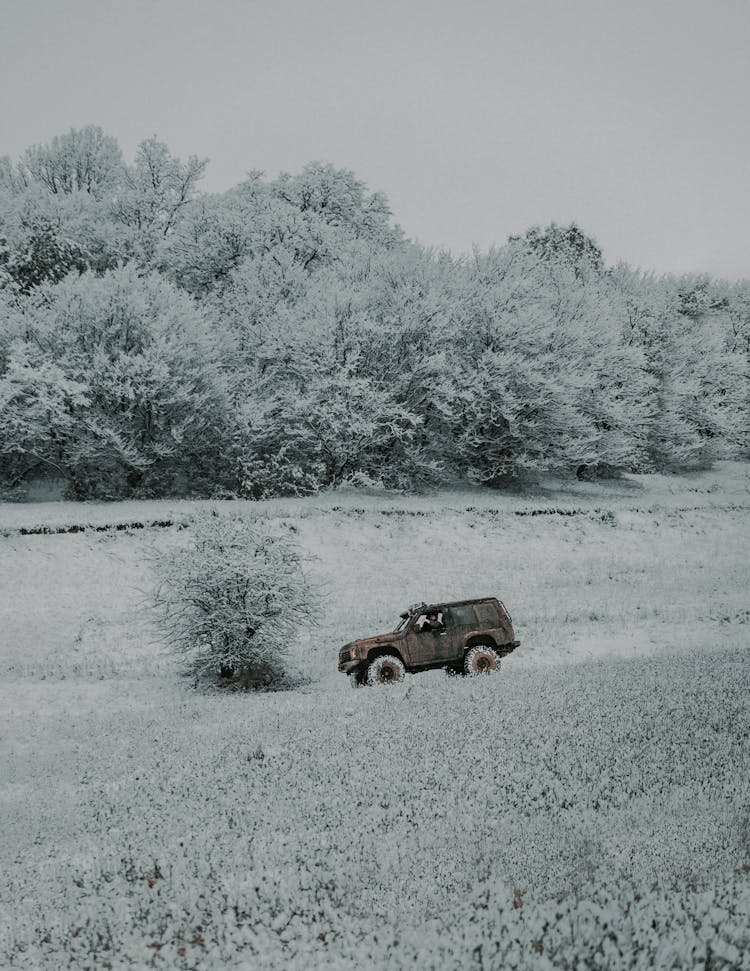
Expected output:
(466, 637)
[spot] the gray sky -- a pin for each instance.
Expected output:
(477, 118)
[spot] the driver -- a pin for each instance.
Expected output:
(432, 621)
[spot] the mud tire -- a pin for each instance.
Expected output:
(480, 660)
(386, 669)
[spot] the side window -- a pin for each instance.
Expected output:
(487, 614)
(462, 616)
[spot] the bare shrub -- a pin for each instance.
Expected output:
(232, 600)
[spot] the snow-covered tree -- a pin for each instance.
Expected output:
(697, 394)
(155, 190)
(155, 415)
(736, 323)
(698, 391)
(305, 222)
(210, 241)
(540, 376)
(315, 426)
(41, 409)
(340, 199)
(83, 160)
(39, 243)
(232, 599)
(562, 245)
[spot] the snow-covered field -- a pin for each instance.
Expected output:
(591, 804)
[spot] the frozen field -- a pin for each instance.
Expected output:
(591, 804)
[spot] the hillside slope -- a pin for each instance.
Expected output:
(593, 812)
(625, 568)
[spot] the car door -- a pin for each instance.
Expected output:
(460, 620)
(427, 647)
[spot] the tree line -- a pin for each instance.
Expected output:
(285, 336)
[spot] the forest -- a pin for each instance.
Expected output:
(285, 336)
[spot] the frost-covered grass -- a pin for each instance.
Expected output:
(595, 812)
(330, 829)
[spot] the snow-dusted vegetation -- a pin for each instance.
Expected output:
(282, 350)
(284, 336)
(231, 599)
(587, 807)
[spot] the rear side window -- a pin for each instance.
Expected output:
(487, 614)
(463, 616)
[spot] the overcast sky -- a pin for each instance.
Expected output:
(477, 118)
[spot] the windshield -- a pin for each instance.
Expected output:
(401, 624)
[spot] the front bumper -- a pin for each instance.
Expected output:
(348, 666)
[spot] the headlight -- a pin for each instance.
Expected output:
(352, 652)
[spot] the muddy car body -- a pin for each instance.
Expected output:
(462, 636)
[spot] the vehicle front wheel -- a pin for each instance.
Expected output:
(480, 660)
(356, 680)
(385, 669)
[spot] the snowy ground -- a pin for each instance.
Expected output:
(591, 803)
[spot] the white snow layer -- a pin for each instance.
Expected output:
(595, 812)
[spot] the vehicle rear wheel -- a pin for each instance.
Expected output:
(386, 669)
(480, 660)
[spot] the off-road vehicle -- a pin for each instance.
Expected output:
(464, 637)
